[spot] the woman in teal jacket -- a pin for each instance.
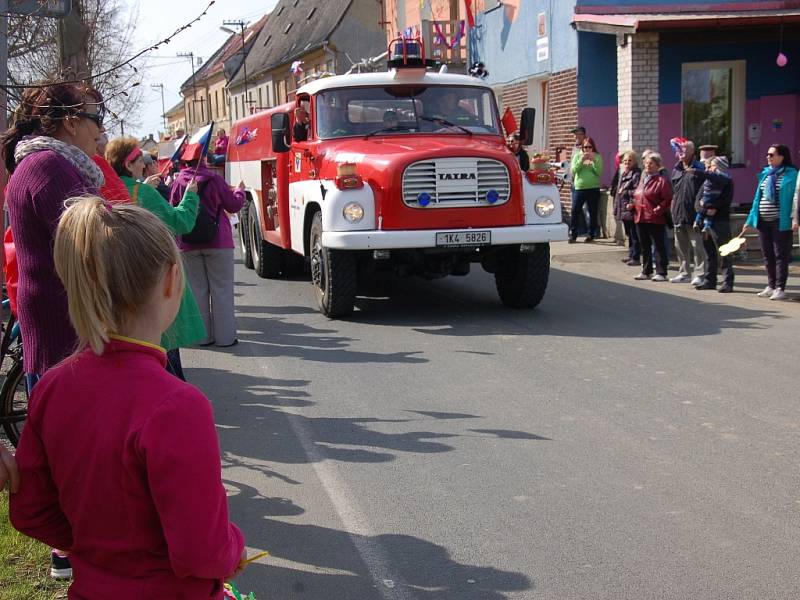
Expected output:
(771, 215)
(586, 167)
(126, 158)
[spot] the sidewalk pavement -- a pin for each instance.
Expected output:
(750, 274)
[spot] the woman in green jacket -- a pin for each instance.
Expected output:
(586, 167)
(127, 160)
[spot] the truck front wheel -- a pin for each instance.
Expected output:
(333, 274)
(521, 277)
(267, 258)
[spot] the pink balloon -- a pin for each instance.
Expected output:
(781, 61)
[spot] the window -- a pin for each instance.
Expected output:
(712, 105)
(311, 13)
(287, 28)
(235, 109)
(260, 103)
(452, 110)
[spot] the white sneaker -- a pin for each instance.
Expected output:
(681, 278)
(698, 281)
(659, 278)
(642, 277)
(778, 294)
(766, 292)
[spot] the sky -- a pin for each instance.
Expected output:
(159, 19)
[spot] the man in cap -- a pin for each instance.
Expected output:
(708, 151)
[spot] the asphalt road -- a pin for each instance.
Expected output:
(625, 440)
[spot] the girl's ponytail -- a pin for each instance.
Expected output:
(109, 261)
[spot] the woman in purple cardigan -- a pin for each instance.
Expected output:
(209, 266)
(54, 132)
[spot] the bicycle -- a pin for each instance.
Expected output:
(14, 392)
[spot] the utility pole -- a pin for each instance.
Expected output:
(241, 25)
(160, 86)
(73, 39)
(190, 56)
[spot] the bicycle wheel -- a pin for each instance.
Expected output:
(14, 403)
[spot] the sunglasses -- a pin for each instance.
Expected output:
(98, 119)
(770, 154)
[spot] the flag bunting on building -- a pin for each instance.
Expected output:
(470, 14)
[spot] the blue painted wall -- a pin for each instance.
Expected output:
(508, 47)
(763, 76)
(597, 69)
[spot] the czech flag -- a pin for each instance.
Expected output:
(197, 145)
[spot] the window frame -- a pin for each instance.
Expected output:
(738, 70)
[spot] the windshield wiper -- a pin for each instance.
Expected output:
(445, 122)
(387, 129)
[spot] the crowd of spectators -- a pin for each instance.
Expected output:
(693, 200)
(105, 299)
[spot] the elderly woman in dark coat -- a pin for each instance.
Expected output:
(627, 182)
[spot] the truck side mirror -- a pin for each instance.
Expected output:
(280, 132)
(526, 126)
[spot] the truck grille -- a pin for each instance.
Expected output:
(455, 183)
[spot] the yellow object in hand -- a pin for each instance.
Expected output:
(254, 558)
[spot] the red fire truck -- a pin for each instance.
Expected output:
(407, 171)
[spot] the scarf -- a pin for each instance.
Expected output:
(771, 189)
(78, 158)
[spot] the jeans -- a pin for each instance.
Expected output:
(634, 248)
(652, 235)
(591, 198)
(777, 248)
(720, 234)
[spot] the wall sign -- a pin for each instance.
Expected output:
(542, 49)
(542, 24)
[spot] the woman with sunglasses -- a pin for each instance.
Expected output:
(771, 215)
(54, 132)
(587, 167)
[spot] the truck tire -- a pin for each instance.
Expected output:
(267, 258)
(521, 278)
(333, 275)
(244, 236)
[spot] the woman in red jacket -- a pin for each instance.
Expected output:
(651, 202)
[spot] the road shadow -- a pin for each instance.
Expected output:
(314, 562)
(575, 305)
(320, 563)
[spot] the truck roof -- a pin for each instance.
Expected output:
(392, 77)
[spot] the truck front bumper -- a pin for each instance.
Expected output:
(426, 238)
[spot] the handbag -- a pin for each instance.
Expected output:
(205, 227)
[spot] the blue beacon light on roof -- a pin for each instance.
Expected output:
(424, 199)
(492, 196)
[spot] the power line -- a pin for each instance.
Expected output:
(127, 62)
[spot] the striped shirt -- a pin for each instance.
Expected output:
(767, 211)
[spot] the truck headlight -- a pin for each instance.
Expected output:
(544, 206)
(353, 212)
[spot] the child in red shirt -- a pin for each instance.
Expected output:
(119, 460)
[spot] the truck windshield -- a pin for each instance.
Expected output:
(404, 109)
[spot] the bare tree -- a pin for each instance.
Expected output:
(34, 54)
